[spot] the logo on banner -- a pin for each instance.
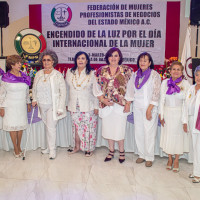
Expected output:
(29, 43)
(61, 15)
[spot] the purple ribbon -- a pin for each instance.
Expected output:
(172, 87)
(141, 74)
(35, 115)
(11, 78)
(130, 119)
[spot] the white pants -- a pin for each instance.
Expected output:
(50, 125)
(145, 133)
(196, 149)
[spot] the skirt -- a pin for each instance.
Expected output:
(113, 122)
(85, 123)
(173, 139)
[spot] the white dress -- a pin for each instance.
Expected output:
(14, 98)
(173, 139)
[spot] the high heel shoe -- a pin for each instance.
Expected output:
(175, 169)
(121, 154)
(169, 167)
(111, 153)
(16, 156)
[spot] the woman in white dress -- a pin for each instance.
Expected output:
(173, 140)
(49, 93)
(111, 88)
(147, 84)
(191, 120)
(14, 97)
(82, 104)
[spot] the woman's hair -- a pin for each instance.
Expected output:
(177, 63)
(50, 53)
(142, 55)
(12, 60)
(197, 69)
(110, 52)
(88, 67)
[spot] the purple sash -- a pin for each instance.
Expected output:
(11, 78)
(172, 87)
(141, 74)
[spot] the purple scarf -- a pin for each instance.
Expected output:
(140, 74)
(11, 78)
(172, 87)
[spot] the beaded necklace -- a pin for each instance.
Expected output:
(87, 77)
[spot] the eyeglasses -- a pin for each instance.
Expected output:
(48, 60)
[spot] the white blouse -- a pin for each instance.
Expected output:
(148, 94)
(191, 100)
(44, 90)
(174, 99)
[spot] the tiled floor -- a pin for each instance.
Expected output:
(76, 177)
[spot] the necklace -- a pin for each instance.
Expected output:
(80, 84)
(46, 77)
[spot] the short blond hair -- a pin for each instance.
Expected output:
(177, 63)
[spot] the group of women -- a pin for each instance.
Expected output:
(108, 92)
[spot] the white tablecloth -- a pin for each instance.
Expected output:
(37, 138)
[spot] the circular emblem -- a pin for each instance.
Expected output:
(29, 43)
(61, 15)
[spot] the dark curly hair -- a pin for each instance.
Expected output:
(88, 67)
(110, 52)
(142, 55)
(50, 53)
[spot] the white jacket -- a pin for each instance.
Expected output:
(184, 85)
(58, 91)
(84, 95)
(197, 104)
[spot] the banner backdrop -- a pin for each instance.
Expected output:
(134, 27)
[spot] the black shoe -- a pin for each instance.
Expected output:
(121, 154)
(110, 154)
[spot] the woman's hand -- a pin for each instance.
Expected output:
(127, 107)
(34, 103)
(29, 107)
(185, 128)
(107, 102)
(96, 111)
(162, 121)
(2, 112)
(148, 112)
(59, 113)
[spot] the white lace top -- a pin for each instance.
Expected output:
(149, 93)
(44, 90)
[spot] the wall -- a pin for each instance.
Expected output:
(19, 11)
